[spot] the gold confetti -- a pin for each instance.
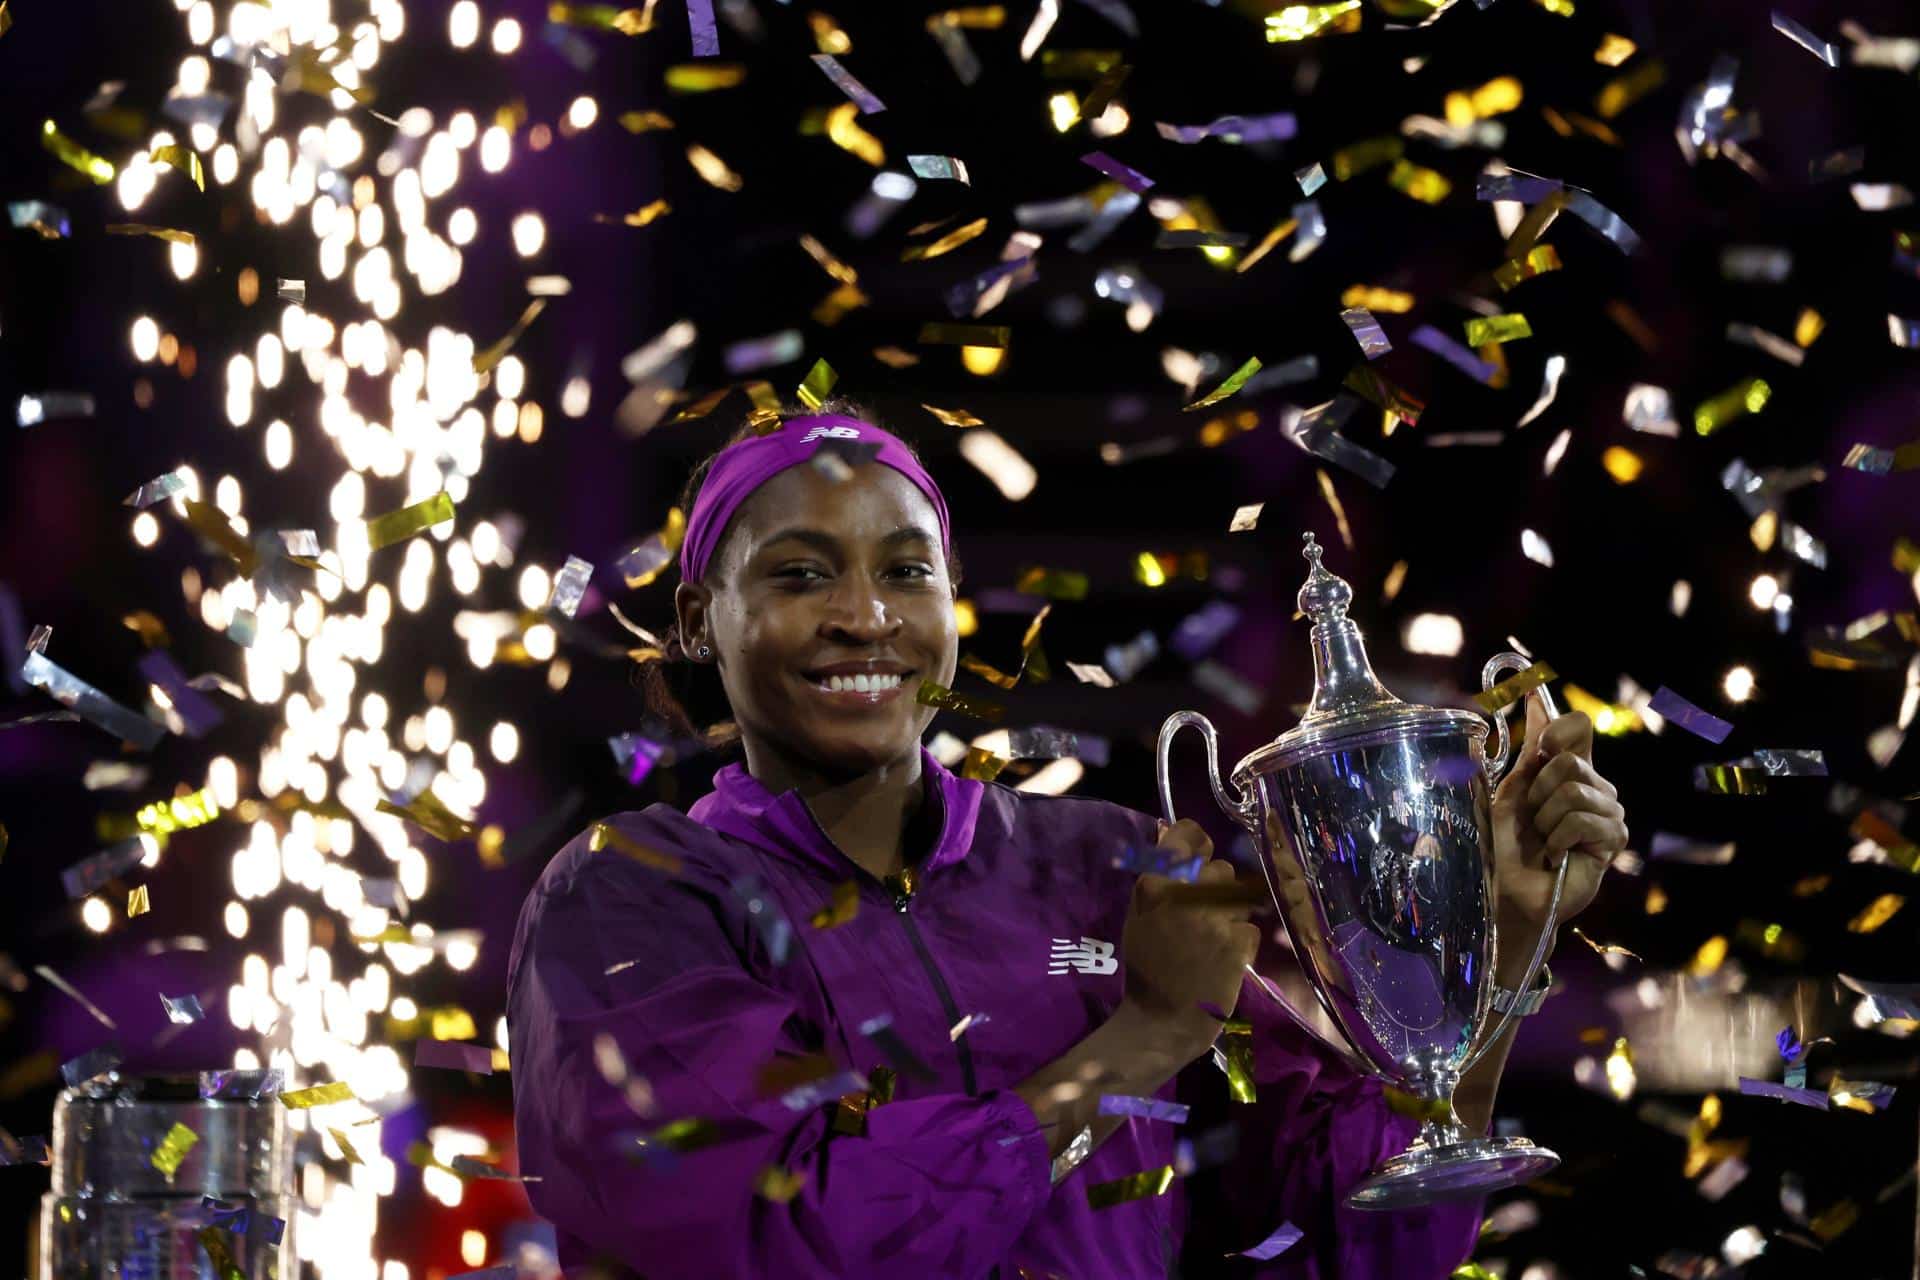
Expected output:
(608, 837)
(75, 156)
(704, 77)
(181, 813)
(1334, 505)
(1246, 519)
(954, 417)
(982, 765)
(142, 229)
(895, 358)
(1280, 232)
(428, 812)
(1428, 186)
(931, 694)
(712, 169)
(603, 17)
(844, 131)
(1236, 1041)
(817, 385)
(346, 1147)
(1354, 160)
(397, 526)
(643, 121)
(1808, 886)
(843, 907)
(211, 523)
(1375, 298)
(1540, 259)
(184, 159)
(1624, 465)
(1235, 380)
(1876, 913)
(639, 217)
(173, 1149)
(1135, 1186)
(1534, 225)
(319, 1095)
(945, 244)
(1482, 330)
(1869, 825)
(1619, 94)
(1605, 948)
(965, 335)
(6, 18)
(1303, 21)
(484, 361)
(1771, 940)
(3, 839)
(137, 903)
(214, 1241)
(777, 1184)
(1513, 688)
(1735, 402)
(1808, 327)
(1829, 1224)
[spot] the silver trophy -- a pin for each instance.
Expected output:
(1374, 818)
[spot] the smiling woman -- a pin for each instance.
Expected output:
(935, 1076)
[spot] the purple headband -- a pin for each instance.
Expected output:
(742, 468)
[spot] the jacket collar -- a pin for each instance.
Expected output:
(739, 806)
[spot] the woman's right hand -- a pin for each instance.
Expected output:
(1179, 955)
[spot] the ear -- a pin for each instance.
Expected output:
(691, 603)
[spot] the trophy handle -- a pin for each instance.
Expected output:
(1497, 665)
(1241, 808)
(1244, 808)
(1496, 766)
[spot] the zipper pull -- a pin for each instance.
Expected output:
(902, 884)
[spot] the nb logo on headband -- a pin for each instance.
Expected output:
(831, 433)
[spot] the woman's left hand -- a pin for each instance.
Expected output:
(1553, 805)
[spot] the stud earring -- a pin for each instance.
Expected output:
(705, 652)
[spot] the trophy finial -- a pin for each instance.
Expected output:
(1325, 596)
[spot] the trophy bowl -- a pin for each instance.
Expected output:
(1373, 818)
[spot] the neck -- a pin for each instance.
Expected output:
(866, 815)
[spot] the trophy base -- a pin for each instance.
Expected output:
(1454, 1171)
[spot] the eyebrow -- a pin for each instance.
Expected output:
(828, 542)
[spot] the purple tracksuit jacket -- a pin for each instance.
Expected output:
(1016, 918)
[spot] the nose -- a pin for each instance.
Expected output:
(856, 614)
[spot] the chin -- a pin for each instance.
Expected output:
(855, 753)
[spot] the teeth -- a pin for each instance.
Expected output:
(862, 683)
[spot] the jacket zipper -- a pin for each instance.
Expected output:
(903, 899)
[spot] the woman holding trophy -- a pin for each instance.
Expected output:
(854, 1016)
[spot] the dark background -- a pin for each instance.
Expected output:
(1074, 378)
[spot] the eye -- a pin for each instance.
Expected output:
(800, 573)
(914, 570)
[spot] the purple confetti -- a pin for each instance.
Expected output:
(1788, 1043)
(1527, 188)
(1768, 1089)
(1200, 631)
(1173, 863)
(706, 42)
(1272, 128)
(1671, 706)
(880, 1030)
(195, 708)
(1204, 1151)
(451, 1055)
(1284, 1237)
(1454, 353)
(1367, 332)
(816, 1092)
(94, 1062)
(88, 874)
(1121, 1104)
(17, 1151)
(862, 96)
(1132, 179)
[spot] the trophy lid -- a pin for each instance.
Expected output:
(1348, 699)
